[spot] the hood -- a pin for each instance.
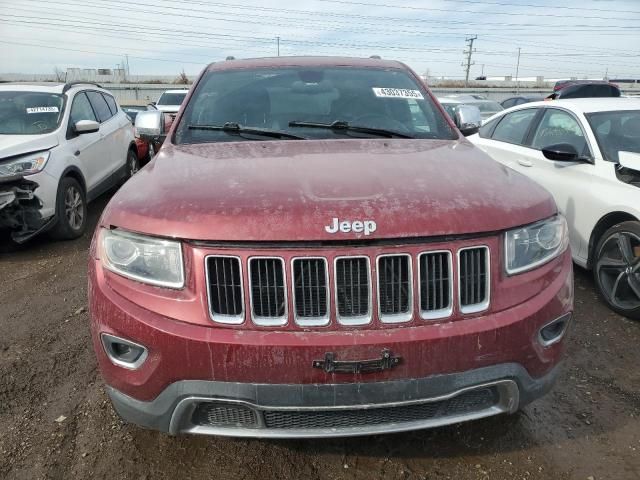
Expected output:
(12, 145)
(292, 190)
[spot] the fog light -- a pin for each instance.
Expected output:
(553, 331)
(123, 353)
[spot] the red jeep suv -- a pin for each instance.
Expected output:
(316, 251)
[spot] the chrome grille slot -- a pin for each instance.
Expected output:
(394, 288)
(473, 272)
(226, 296)
(435, 285)
(353, 290)
(311, 291)
(268, 291)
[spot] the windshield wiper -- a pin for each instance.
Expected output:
(342, 126)
(232, 127)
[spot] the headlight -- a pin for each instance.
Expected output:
(146, 259)
(25, 165)
(533, 245)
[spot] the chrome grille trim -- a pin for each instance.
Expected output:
(269, 282)
(307, 320)
(218, 317)
(445, 310)
(472, 301)
(396, 289)
(352, 319)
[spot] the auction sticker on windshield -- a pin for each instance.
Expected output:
(42, 110)
(397, 93)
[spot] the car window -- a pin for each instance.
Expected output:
(81, 109)
(171, 98)
(273, 98)
(111, 102)
(558, 126)
(616, 132)
(513, 126)
(29, 113)
(509, 103)
(100, 106)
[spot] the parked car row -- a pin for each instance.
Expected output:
(318, 250)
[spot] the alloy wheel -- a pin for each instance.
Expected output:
(74, 207)
(618, 270)
(133, 165)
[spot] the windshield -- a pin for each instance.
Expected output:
(29, 113)
(616, 132)
(171, 98)
(272, 98)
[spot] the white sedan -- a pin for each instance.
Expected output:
(586, 152)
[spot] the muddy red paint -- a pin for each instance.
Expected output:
(327, 199)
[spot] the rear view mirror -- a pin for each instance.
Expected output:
(561, 152)
(468, 119)
(86, 126)
(150, 125)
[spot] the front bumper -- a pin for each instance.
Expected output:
(334, 410)
(252, 381)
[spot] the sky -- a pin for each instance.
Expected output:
(557, 38)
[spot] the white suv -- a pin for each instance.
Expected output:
(170, 100)
(586, 152)
(60, 147)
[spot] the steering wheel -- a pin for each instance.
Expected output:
(373, 120)
(41, 125)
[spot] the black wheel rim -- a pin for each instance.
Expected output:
(618, 270)
(74, 208)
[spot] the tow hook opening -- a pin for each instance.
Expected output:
(124, 353)
(553, 331)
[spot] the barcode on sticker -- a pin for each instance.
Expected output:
(397, 93)
(42, 110)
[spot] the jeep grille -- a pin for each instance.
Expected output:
(343, 289)
(268, 291)
(311, 291)
(435, 285)
(353, 290)
(473, 267)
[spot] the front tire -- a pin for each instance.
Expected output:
(616, 268)
(133, 164)
(71, 210)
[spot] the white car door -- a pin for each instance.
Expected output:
(570, 183)
(110, 130)
(517, 141)
(506, 141)
(88, 148)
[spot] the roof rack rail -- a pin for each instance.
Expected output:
(70, 85)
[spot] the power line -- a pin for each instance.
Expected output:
(446, 10)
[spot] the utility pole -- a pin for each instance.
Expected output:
(468, 53)
(517, 72)
(128, 71)
(278, 43)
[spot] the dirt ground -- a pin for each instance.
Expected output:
(56, 421)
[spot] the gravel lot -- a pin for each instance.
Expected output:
(57, 422)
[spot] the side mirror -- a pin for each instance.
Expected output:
(468, 119)
(150, 125)
(562, 152)
(629, 160)
(86, 126)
